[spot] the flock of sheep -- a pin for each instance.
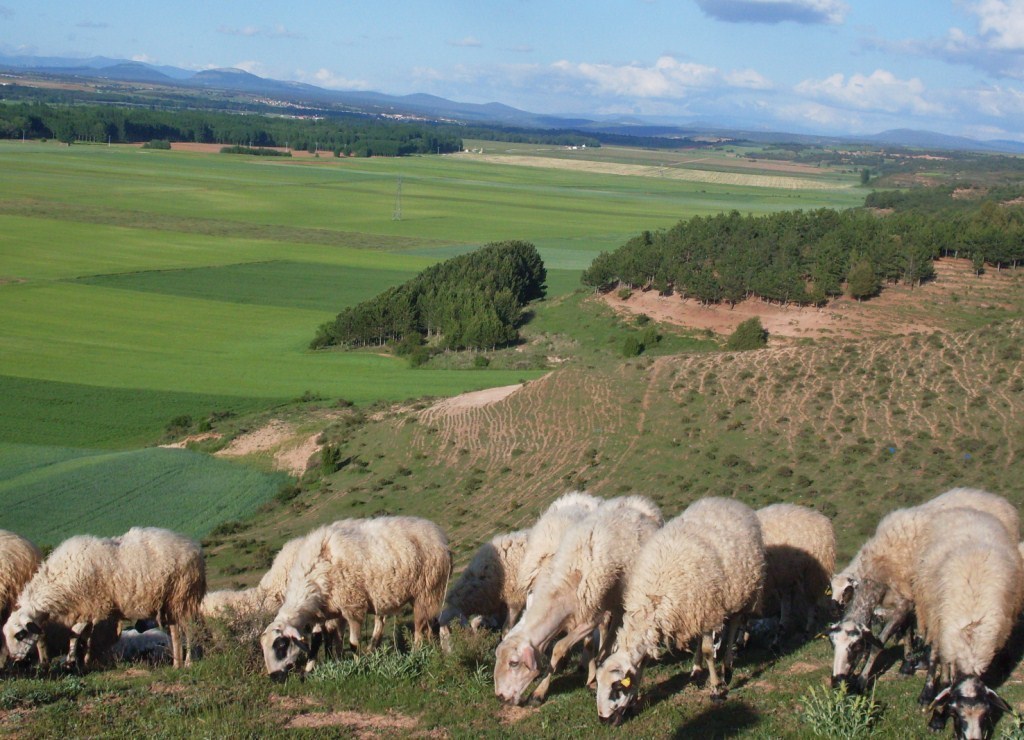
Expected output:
(610, 574)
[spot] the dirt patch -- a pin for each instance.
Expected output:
(782, 182)
(474, 400)
(362, 724)
(183, 443)
(509, 715)
(291, 703)
(276, 438)
(168, 689)
(885, 315)
(801, 667)
(186, 146)
(11, 280)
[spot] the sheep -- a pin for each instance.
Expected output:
(351, 567)
(702, 572)
(882, 572)
(147, 572)
(580, 591)
(152, 645)
(19, 560)
(266, 596)
(968, 586)
(546, 534)
(800, 552)
(489, 585)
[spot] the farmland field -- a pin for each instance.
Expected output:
(138, 286)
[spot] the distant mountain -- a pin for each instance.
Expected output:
(421, 105)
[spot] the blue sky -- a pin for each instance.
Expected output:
(828, 66)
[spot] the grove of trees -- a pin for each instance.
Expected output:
(473, 301)
(806, 257)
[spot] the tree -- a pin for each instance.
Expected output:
(861, 281)
(750, 334)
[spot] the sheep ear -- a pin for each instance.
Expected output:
(940, 698)
(530, 657)
(998, 701)
(34, 628)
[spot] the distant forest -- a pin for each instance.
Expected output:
(471, 301)
(808, 257)
(352, 136)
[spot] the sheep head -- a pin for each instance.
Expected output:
(850, 639)
(21, 632)
(516, 664)
(970, 702)
(284, 648)
(841, 591)
(617, 682)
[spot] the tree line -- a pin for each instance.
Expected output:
(808, 257)
(473, 301)
(117, 124)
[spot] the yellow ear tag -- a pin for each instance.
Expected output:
(828, 591)
(626, 682)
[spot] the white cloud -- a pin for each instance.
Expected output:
(1001, 23)
(144, 58)
(324, 77)
(667, 77)
(246, 31)
(469, 42)
(829, 12)
(879, 91)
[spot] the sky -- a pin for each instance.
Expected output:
(815, 66)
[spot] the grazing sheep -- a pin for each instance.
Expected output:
(489, 586)
(352, 567)
(266, 596)
(153, 646)
(19, 560)
(883, 571)
(547, 533)
(147, 572)
(968, 587)
(701, 573)
(800, 553)
(579, 592)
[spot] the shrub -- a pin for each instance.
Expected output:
(837, 714)
(750, 334)
(157, 144)
(481, 361)
(631, 347)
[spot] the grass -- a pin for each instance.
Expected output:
(106, 493)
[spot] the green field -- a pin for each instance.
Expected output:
(137, 286)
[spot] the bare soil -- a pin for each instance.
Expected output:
(363, 724)
(280, 440)
(890, 313)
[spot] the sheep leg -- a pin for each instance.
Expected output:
(909, 665)
(378, 633)
(931, 680)
(510, 620)
(77, 631)
(732, 628)
(698, 657)
(558, 653)
(316, 639)
(355, 628)
(176, 651)
(899, 616)
(707, 649)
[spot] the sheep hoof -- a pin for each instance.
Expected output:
(718, 696)
(535, 701)
(908, 667)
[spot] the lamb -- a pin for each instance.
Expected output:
(354, 566)
(147, 572)
(800, 553)
(580, 591)
(968, 586)
(489, 586)
(266, 596)
(701, 573)
(881, 573)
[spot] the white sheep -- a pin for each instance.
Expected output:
(489, 585)
(800, 552)
(580, 591)
(546, 534)
(968, 586)
(19, 560)
(701, 573)
(147, 572)
(881, 573)
(153, 645)
(266, 596)
(353, 567)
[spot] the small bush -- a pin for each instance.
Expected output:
(481, 361)
(631, 347)
(624, 294)
(157, 144)
(837, 714)
(750, 334)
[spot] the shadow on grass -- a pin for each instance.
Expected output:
(725, 721)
